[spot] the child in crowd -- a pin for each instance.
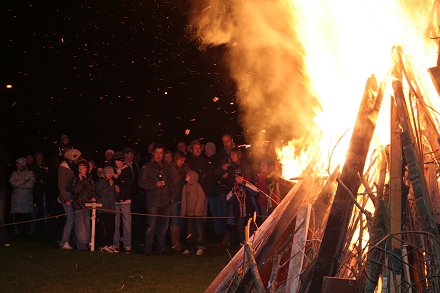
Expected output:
(106, 193)
(269, 192)
(83, 191)
(193, 205)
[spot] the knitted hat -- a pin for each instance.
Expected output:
(210, 147)
(109, 151)
(21, 161)
(72, 154)
(119, 156)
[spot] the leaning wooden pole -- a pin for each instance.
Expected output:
(336, 229)
(416, 173)
(279, 219)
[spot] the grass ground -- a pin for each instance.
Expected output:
(30, 266)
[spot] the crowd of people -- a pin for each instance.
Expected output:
(166, 194)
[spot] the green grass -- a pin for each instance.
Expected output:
(29, 266)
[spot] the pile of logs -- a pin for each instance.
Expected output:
(369, 227)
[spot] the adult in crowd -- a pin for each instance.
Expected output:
(178, 172)
(242, 196)
(124, 182)
(199, 163)
(182, 148)
(269, 192)
(3, 187)
(41, 171)
(22, 182)
(108, 158)
(156, 181)
(168, 156)
(64, 145)
(66, 174)
(106, 194)
(216, 202)
(83, 191)
(224, 176)
(137, 198)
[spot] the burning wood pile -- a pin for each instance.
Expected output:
(370, 226)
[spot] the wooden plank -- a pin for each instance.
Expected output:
(278, 219)
(336, 229)
(254, 269)
(416, 174)
(395, 179)
(298, 248)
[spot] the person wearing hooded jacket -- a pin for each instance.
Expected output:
(22, 181)
(66, 174)
(193, 206)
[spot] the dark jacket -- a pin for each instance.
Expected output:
(125, 183)
(82, 192)
(148, 178)
(106, 195)
(65, 180)
(178, 180)
(205, 170)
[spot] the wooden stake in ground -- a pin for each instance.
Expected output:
(93, 205)
(340, 214)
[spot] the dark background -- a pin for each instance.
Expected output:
(109, 74)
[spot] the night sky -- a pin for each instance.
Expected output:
(109, 74)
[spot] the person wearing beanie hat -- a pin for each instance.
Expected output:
(64, 145)
(210, 149)
(22, 181)
(106, 193)
(66, 175)
(124, 185)
(21, 162)
(108, 155)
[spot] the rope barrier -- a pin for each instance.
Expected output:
(115, 212)
(145, 214)
(44, 218)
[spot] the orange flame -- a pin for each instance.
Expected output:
(344, 43)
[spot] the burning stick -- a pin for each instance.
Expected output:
(337, 224)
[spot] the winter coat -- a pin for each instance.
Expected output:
(125, 182)
(22, 183)
(65, 181)
(193, 197)
(148, 178)
(178, 181)
(82, 192)
(205, 170)
(106, 194)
